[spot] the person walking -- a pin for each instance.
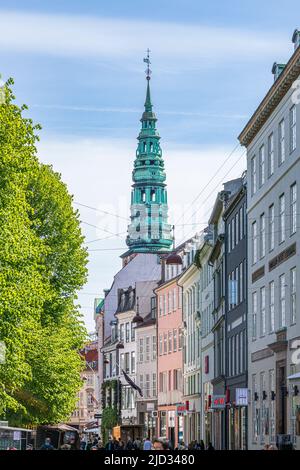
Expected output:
(147, 444)
(129, 445)
(210, 446)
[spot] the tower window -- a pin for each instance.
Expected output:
(151, 146)
(144, 146)
(153, 195)
(143, 194)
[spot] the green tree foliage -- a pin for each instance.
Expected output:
(42, 265)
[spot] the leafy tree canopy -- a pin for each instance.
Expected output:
(42, 266)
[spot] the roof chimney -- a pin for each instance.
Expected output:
(296, 38)
(277, 69)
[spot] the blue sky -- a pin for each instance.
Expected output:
(78, 65)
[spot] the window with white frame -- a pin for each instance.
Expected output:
(154, 347)
(254, 242)
(281, 218)
(147, 348)
(261, 165)
(254, 315)
(262, 243)
(170, 341)
(174, 299)
(293, 130)
(165, 343)
(170, 301)
(282, 311)
(154, 391)
(141, 350)
(175, 340)
(271, 154)
(161, 305)
(272, 306)
(132, 362)
(293, 296)
(262, 311)
(293, 209)
(271, 228)
(160, 345)
(147, 386)
(253, 175)
(281, 133)
(241, 217)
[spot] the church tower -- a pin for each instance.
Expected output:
(149, 231)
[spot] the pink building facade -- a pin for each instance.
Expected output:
(169, 357)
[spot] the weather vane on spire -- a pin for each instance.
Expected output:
(147, 60)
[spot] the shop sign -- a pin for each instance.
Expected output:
(241, 397)
(181, 409)
(218, 401)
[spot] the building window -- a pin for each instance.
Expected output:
(133, 362)
(122, 332)
(293, 208)
(161, 305)
(241, 283)
(281, 218)
(165, 344)
(229, 238)
(170, 301)
(281, 142)
(272, 306)
(160, 345)
(237, 228)
(180, 339)
(282, 315)
(241, 223)
(153, 347)
(293, 296)
(147, 386)
(254, 314)
(253, 175)
(232, 233)
(170, 341)
(165, 304)
(147, 348)
(154, 385)
(174, 299)
(262, 311)
(271, 228)
(132, 331)
(261, 165)
(175, 340)
(141, 350)
(271, 154)
(127, 332)
(262, 236)
(142, 384)
(293, 131)
(254, 242)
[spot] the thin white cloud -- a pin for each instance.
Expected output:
(174, 45)
(100, 109)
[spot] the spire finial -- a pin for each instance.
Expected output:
(147, 60)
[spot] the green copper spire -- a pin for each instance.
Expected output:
(149, 230)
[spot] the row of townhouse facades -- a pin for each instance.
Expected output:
(210, 330)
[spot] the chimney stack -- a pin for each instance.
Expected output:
(277, 69)
(296, 38)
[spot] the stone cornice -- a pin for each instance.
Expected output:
(272, 99)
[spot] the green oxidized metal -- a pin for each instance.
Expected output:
(149, 230)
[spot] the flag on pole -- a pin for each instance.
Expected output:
(132, 384)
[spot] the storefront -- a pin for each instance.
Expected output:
(237, 420)
(219, 413)
(170, 424)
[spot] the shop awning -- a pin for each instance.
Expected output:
(294, 376)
